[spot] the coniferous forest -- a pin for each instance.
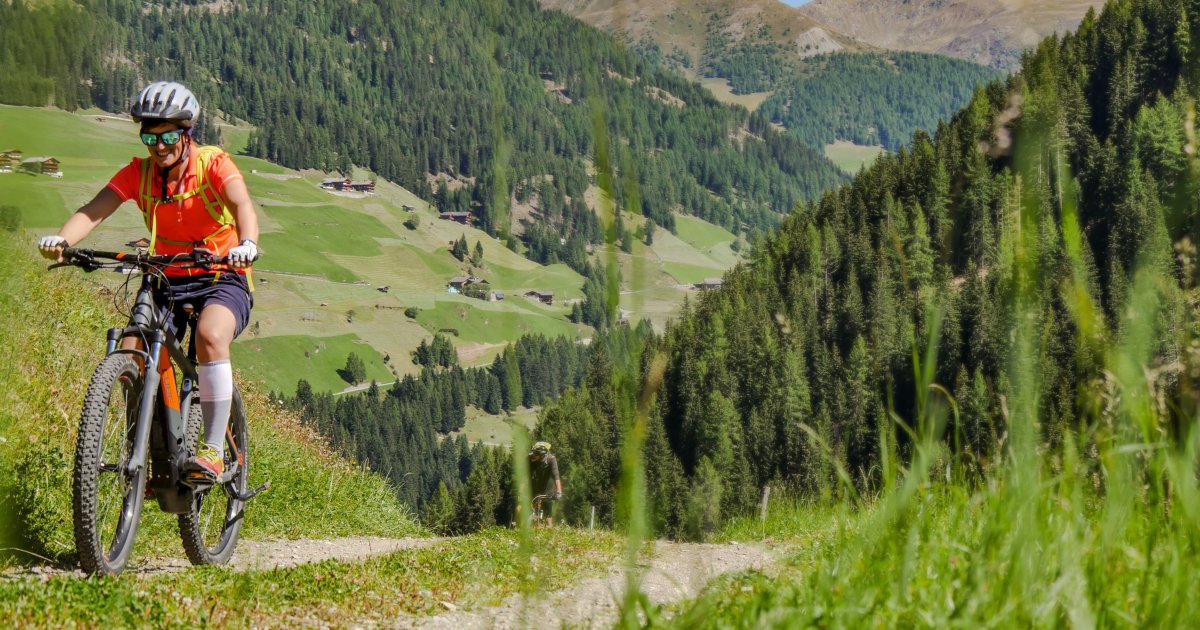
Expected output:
(1053, 209)
(501, 96)
(872, 99)
(402, 432)
(1069, 179)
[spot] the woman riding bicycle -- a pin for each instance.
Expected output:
(191, 197)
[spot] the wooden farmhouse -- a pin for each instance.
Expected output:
(42, 165)
(545, 297)
(335, 183)
(458, 217)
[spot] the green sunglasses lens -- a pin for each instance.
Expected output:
(168, 138)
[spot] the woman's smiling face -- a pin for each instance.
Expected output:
(164, 155)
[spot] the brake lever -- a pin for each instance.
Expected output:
(87, 265)
(202, 258)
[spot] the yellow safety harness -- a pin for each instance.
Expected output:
(213, 203)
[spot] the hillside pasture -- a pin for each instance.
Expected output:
(279, 362)
(484, 323)
(482, 426)
(325, 255)
(721, 89)
(851, 157)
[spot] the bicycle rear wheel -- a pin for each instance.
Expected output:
(210, 530)
(107, 499)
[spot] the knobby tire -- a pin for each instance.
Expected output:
(107, 502)
(210, 530)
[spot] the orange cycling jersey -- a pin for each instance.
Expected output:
(195, 215)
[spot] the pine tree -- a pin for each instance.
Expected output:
(355, 371)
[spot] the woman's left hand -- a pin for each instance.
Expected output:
(244, 254)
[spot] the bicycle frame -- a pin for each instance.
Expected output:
(168, 445)
(160, 429)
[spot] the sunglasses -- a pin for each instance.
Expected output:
(167, 137)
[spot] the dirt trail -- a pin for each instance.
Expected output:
(260, 555)
(677, 571)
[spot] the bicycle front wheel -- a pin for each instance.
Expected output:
(210, 530)
(107, 498)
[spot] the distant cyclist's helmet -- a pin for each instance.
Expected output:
(540, 448)
(166, 100)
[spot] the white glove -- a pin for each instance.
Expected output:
(52, 246)
(243, 254)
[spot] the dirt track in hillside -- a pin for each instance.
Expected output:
(260, 555)
(677, 571)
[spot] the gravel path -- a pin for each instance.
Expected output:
(677, 571)
(260, 555)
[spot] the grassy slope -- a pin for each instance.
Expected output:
(322, 358)
(50, 341)
(325, 255)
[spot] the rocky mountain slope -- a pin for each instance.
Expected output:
(990, 32)
(686, 25)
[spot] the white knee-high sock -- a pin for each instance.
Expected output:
(216, 398)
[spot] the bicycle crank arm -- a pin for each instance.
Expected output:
(248, 495)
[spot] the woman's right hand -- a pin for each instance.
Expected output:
(52, 247)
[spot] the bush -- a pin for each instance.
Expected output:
(412, 222)
(411, 312)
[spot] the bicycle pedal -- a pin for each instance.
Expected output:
(199, 480)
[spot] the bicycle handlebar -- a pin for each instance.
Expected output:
(89, 259)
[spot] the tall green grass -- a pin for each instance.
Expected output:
(51, 338)
(1099, 528)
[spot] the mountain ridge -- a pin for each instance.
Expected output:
(989, 32)
(683, 24)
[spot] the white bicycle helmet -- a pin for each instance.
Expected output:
(166, 100)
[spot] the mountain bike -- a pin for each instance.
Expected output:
(141, 421)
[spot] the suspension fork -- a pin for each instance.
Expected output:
(150, 383)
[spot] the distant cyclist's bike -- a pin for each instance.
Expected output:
(537, 511)
(141, 421)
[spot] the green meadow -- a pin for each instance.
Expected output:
(282, 361)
